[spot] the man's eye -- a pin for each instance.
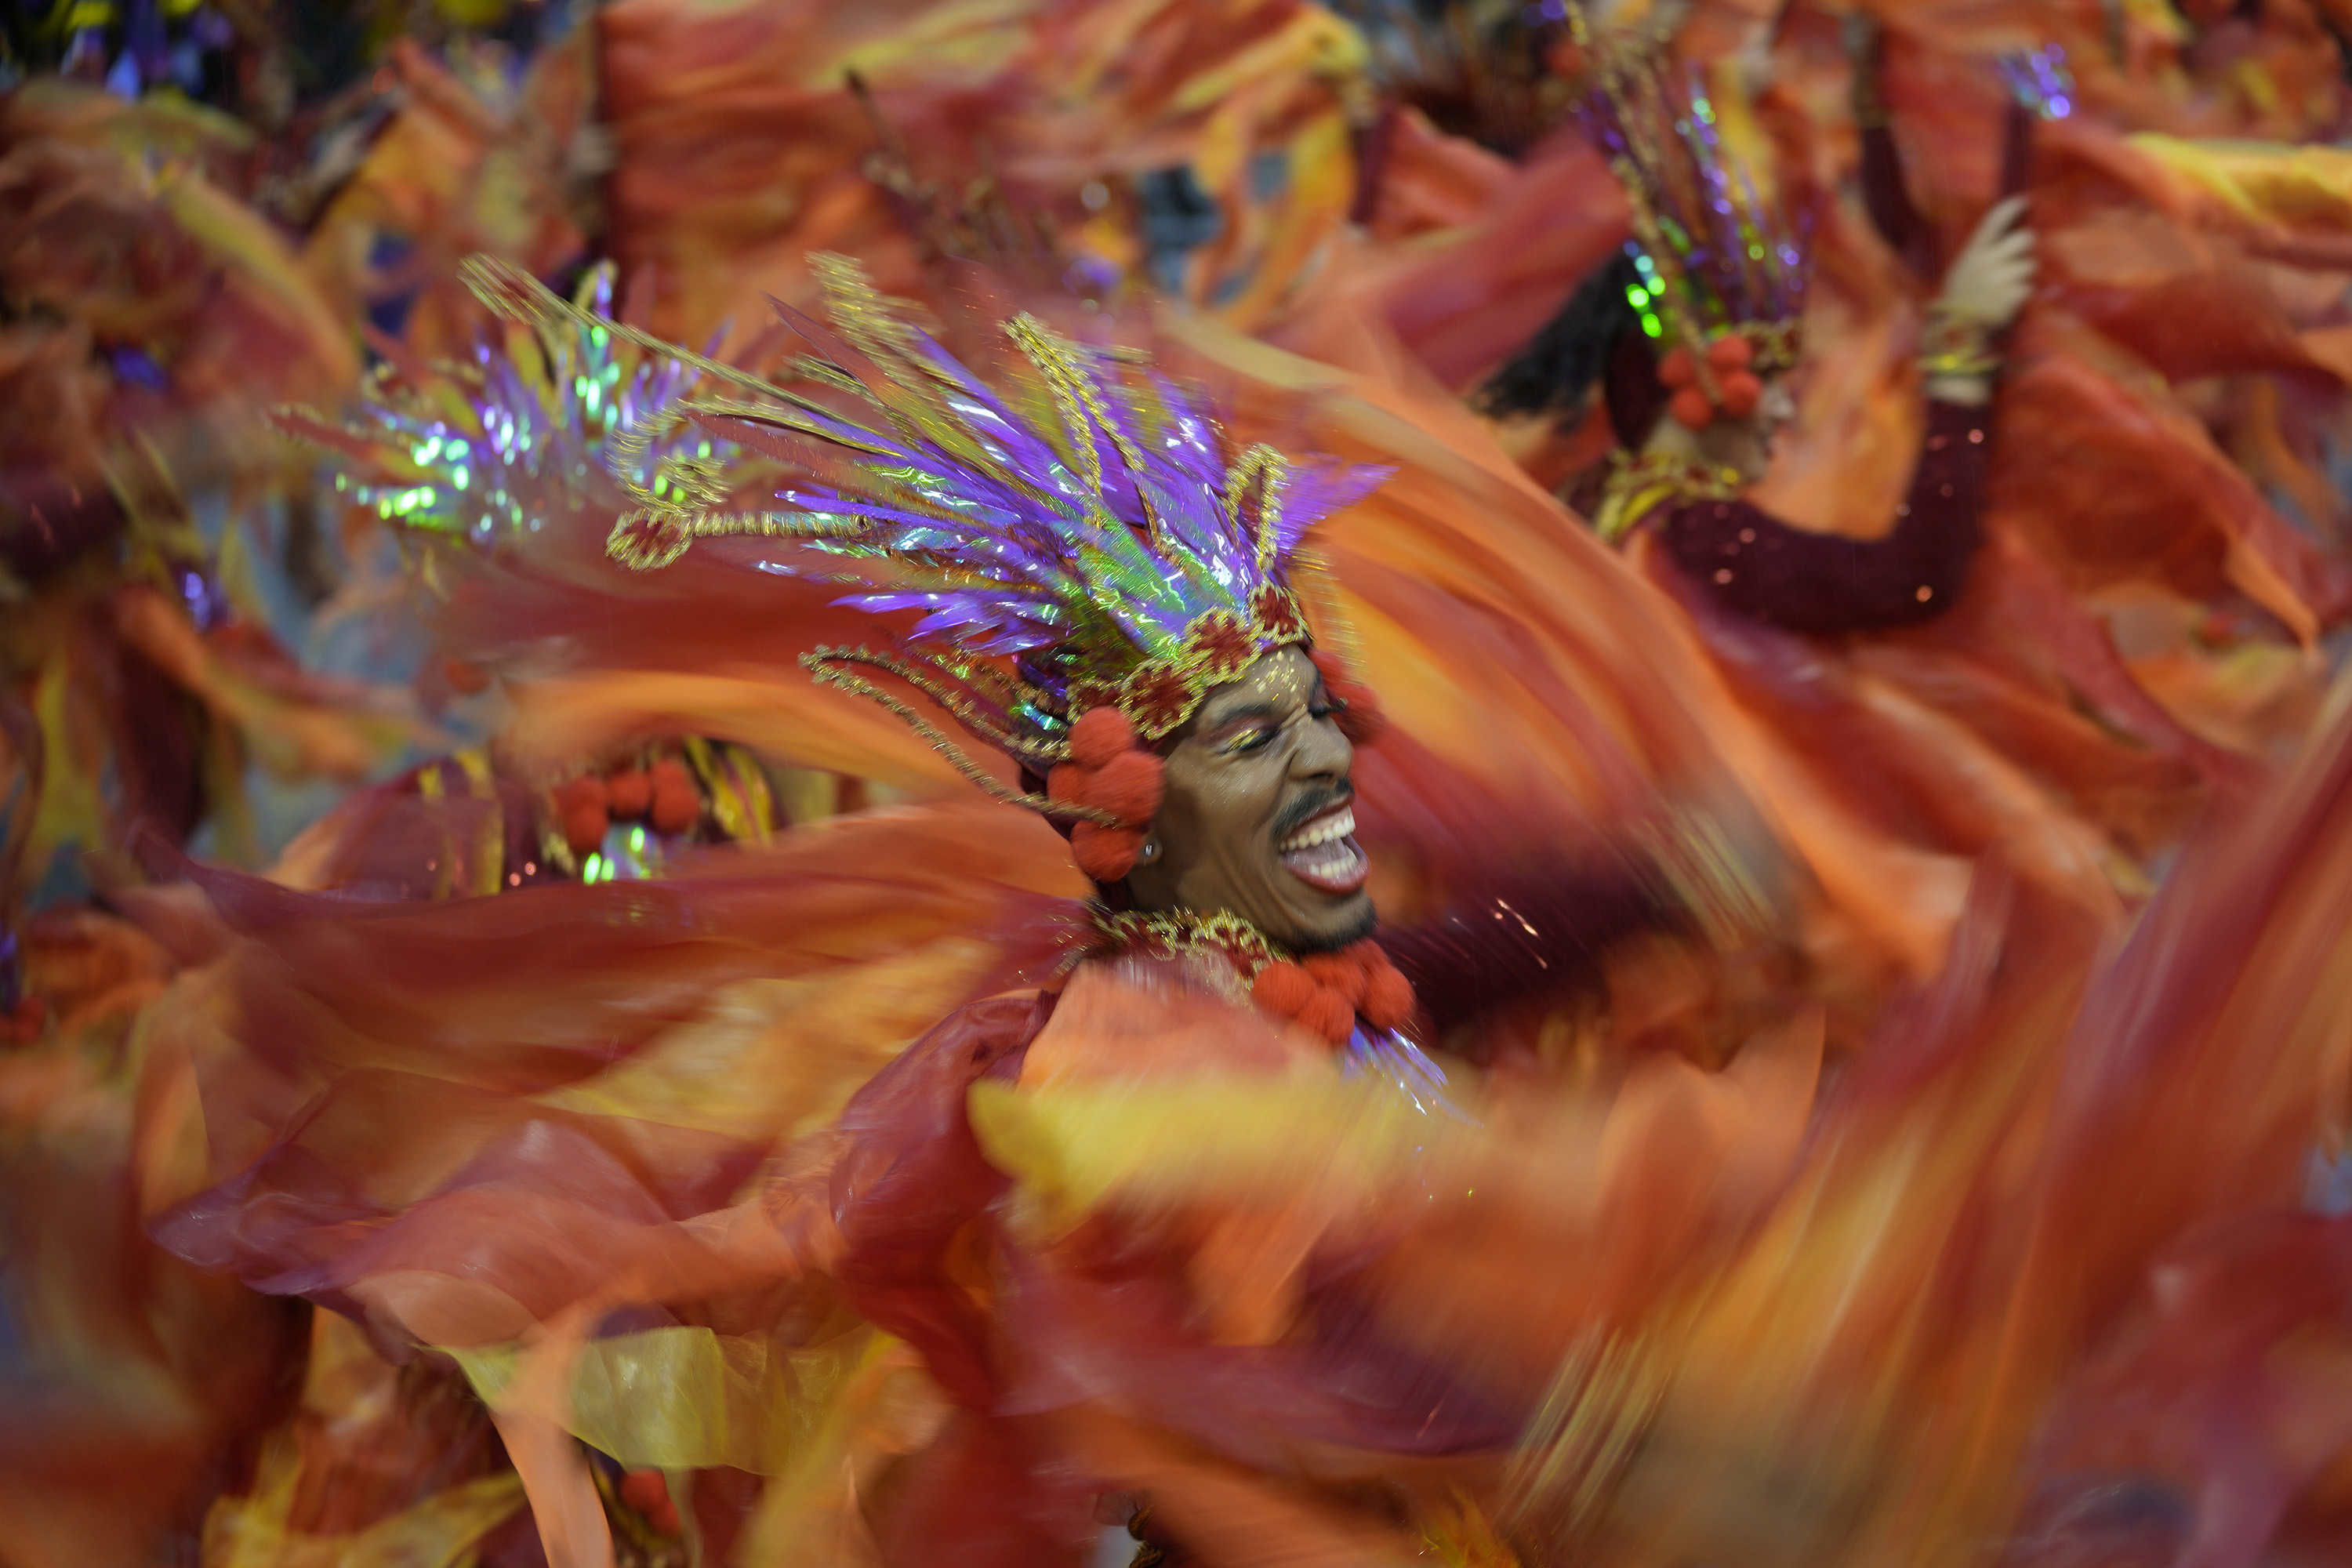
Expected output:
(1252, 739)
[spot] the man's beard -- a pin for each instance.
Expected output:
(1362, 930)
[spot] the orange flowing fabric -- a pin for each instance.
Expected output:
(1187, 1257)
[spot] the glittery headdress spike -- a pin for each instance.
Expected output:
(1715, 256)
(1078, 537)
(520, 436)
(2039, 81)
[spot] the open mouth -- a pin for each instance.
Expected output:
(1324, 852)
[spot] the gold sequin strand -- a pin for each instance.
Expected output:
(827, 666)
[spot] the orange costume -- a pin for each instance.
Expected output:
(1190, 1237)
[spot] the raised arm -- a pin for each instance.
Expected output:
(1819, 583)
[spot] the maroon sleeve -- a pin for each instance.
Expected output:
(47, 519)
(1806, 581)
(1506, 935)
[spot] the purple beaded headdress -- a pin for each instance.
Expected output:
(1716, 258)
(1076, 538)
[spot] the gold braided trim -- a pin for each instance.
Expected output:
(647, 542)
(827, 667)
(1176, 933)
(1264, 469)
(1080, 408)
(1159, 694)
(1637, 487)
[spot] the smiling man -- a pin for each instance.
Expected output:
(1257, 817)
(1105, 599)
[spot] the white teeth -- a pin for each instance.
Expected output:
(1322, 830)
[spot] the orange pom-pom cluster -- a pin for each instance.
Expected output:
(665, 796)
(648, 1492)
(1730, 362)
(1109, 771)
(1325, 993)
(1359, 717)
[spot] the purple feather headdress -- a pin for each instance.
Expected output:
(1077, 538)
(1715, 256)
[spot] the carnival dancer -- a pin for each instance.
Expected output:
(1206, 588)
(1175, 1243)
(1692, 332)
(483, 472)
(1944, 663)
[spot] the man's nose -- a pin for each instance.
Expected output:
(1322, 752)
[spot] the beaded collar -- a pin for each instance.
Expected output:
(1177, 933)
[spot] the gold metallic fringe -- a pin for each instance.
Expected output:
(963, 709)
(1582, 1440)
(1078, 402)
(823, 666)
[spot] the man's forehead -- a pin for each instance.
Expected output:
(1283, 678)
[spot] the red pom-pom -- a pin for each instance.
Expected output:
(1678, 369)
(677, 808)
(1740, 392)
(1105, 854)
(628, 792)
(1128, 786)
(1691, 409)
(1388, 998)
(465, 678)
(1068, 781)
(1340, 972)
(1100, 734)
(1283, 989)
(669, 772)
(645, 1490)
(576, 794)
(1328, 1014)
(583, 827)
(1730, 352)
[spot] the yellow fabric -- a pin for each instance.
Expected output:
(688, 1398)
(1077, 1146)
(2306, 187)
(744, 1066)
(440, 1532)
